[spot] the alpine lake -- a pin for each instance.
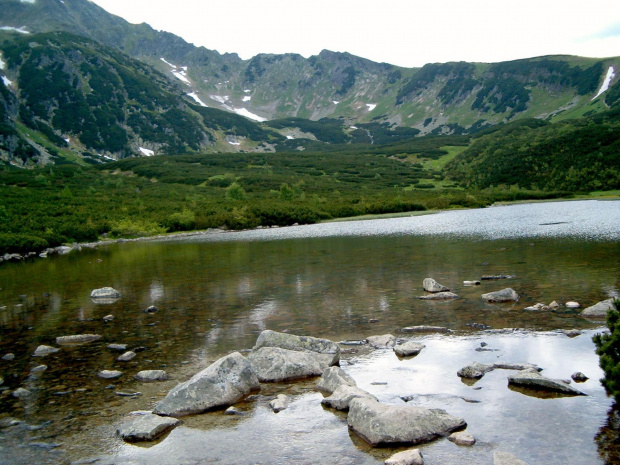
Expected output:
(344, 281)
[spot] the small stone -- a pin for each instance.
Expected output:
(579, 377)
(384, 341)
(8, 357)
(430, 285)
(483, 344)
(146, 427)
(505, 295)
(572, 304)
(128, 393)
(571, 332)
(108, 318)
(127, 356)
(109, 374)
(21, 393)
(439, 296)
(462, 439)
(471, 283)
(233, 411)
(151, 309)
(279, 403)
(105, 293)
(553, 305)
(425, 329)
(152, 375)
(407, 457)
(44, 350)
(117, 347)
(408, 349)
(77, 339)
(373, 320)
(39, 369)
(475, 370)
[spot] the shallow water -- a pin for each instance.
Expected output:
(216, 292)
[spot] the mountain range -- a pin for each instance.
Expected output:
(79, 83)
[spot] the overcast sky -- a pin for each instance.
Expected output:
(402, 32)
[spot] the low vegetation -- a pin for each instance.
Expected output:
(608, 349)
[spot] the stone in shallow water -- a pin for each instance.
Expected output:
(332, 378)
(534, 380)
(44, 350)
(407, 457)
(504, 458)
(109, 374)
(146, 427)
(151, 375)
(475, 370)
(505, 295)
(105, 293)
(328, 351)
(381, 424)
(341, 398)
(462, 439)
(383, 341)
(127, 356)
(118, 347)
(430, 285)
(598, 310)
(275, 364)
(425, 329)
(439, 296)
(77, 339)
(8, 357)
(279, 403)
(409, 348)
(579, 377)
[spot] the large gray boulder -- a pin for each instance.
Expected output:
(145, 427)
(222, 383)
(332, 378)
(328, 351)
(408, 348)
(341, 398)
(77, 339)
(598, 310)
(430, 285)
(406, 457)
(381, 424)
(534, 380)
(505, 295)
(275, 364)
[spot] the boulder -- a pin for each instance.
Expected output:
(579, 377)
(8, 357)
(109, 374)
(430, 285)
(148, 376)
(534, 380)
(462, 439)
(386, 340)
(329, 351)
(504, 458)
(332, 378)
(221, 384)
(279, 403)
(475, 370)
(408, 348)
(425, 329)
(516, 366)
(276, 364)
(342, 397)
(439, 296)
(505, 295)
(406, 457)
(145, 427)
(77, 339)
(105, 293)
(572, 304)
(571, 332)
(599, 310)
(118, 347)
(44, 350)
(381, 424)
(127, 356)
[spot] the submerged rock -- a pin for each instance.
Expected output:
(279, 403)
(497, 276)
(534, 380)
(341, 398)
(332, 378)
(599, 310)
(222, 383)
(425, 329)
(462, 439)
(276, 364)
(77, 339)
(44, 350)
(145, 427)
(151, 309)
(504, 458)
(381, 342)
(407, 457)
(327, 350)
(381, 424)
(151, 375)
(505, 295)
(439, 296)
(38, 369)
(430, 285)
(409, 348)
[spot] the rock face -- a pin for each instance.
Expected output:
(342, 397)
(407, 457)
(43, 350)
(381, 342)
(145, 427)
(77, 339)
(382, 424)
(439, 296)
(505, 295)
(222, 383)
(279, 403)
(151, 376)
(430, 285)
(504, 458)
(328, 351)
(534, 380)
(105, 293)
(599, 310)
(332, 379)
(409, 348)
(275, 364)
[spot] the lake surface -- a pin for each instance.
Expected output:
(216, 292)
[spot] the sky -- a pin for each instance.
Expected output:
(407, 33)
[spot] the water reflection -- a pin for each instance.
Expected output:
(608, 437)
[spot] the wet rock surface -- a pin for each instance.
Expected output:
(430, 285)
(44, 350)
(145, 427)
(328, 350)
(408, 349)
(332, 378)
(275, 364)
(382, 341)
(341, 398)
(151, 375)
(505, 295)
(406, 457)
(534, 380)
(77, 339)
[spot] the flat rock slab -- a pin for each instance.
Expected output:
(146, 427)
(425, 329)
(332, 378)
(598, 310)
(381, 342)
(439, 296)
(408, 349)
(341, 398)
(534, 380)
(430, 285)
(151, 375)
(329, 350)
(109, 374)
(77, 339)
(44, 350)
(275, 364)
(477, 370)
(381, 424)
(222, 383)
(505, 295)
(504, 458)
(462, 439)
(407, 457)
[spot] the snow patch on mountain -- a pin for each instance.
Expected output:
(197, 99)
(219, 98)
(247, 91)
(336, 102)
(371, 106)
(6, 81)
(246, 98)
(146, 152)
(231, 142)
(2, 63)
(27, 1)
(610, 75)
(21, 30)
(181, 75)
(168, 63)
(248, 114)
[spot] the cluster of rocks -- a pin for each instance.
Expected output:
(437, 291)
(61, 250)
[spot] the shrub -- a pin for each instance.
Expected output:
(135, 228)
(608, 349)
(21, 243)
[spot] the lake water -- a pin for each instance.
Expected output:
(216, 292)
